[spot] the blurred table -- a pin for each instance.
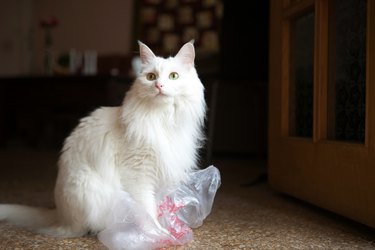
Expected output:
(40, 111)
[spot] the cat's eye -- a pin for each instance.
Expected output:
(173, 76)
(151, 76)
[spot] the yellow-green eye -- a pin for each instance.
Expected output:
(173, 76)
(151, 76)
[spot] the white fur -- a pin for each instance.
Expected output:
(147, 144)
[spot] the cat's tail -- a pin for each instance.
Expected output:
(39, 220)
(29, 217)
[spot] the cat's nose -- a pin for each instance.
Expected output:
(158, 85)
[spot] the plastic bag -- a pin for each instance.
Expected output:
(131, 227)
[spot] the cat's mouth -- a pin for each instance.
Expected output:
(160, 93)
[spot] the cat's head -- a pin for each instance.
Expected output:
(168, 80)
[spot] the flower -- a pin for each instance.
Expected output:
(49, 22)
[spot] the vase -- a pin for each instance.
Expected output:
(48, 60)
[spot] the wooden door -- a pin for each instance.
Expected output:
(322, 104)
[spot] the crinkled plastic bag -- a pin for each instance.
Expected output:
(186, 207)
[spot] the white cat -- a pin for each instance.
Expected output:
(149, 143)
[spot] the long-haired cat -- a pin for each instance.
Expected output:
(149, 143)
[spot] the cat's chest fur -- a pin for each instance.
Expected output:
(157, 146)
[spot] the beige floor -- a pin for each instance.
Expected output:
(243, 216)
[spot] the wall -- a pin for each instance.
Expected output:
(241, 119)
(15, 37)
(84, 24)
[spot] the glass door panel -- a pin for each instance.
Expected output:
(302, 76)
(347, 70)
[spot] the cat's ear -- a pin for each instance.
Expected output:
(187, 54)
(145, 53)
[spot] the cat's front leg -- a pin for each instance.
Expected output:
(146, 198)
